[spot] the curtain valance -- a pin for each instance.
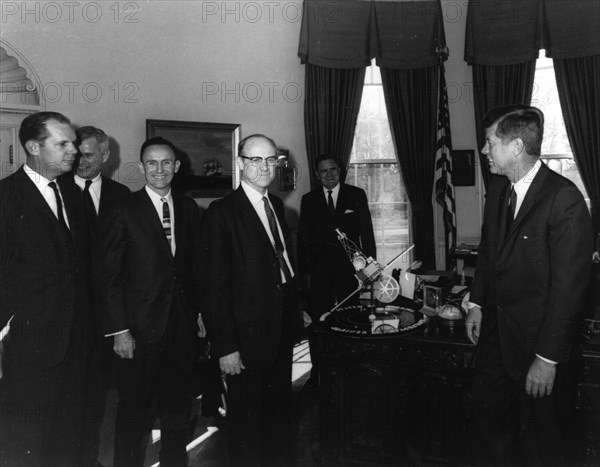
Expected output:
(349, 33)
(513, 31)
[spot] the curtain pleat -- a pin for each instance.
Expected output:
(578, 83)
(331, 108)
(411, 101)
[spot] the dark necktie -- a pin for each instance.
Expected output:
(90, 209)
(278, 245)
(166, 221)
(59, 207)
(330, 202)
(510, 212)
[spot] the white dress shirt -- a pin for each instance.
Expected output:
(257, 203)
(47, 192)
(335, 193)
(158, 205)
(95, 188)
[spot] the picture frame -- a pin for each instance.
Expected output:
(207, 152)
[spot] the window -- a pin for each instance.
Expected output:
(374, 168)
(556, 149)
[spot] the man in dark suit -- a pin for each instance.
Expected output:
(149, 240)
(528, 294)
(323, 262)
(250, 307)
(45, 289)
(97, 193)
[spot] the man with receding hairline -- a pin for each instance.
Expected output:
(250, 306)
(45, 289)
(527, 297)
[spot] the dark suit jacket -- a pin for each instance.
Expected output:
(535, 280)
(110, 191)
(140, 276)
(44, 271)
(318, 246)
(242, 301)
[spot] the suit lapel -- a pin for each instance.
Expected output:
(529, 200)
(250, 216)
(35, 198)
(179, 216)
(151, 216)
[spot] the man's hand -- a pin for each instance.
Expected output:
(473, 324)
(231, 364)
(201, 328)
(540, 378)
(124, 345)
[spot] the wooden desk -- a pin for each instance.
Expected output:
(404, 399)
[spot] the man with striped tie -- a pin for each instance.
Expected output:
(151, 310)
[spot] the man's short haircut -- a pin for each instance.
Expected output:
(518, 121)
(87, 132)
(157, 141)
(327, 157)
(33, 127)
(243, 142)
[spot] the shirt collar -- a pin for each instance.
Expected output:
(154, 196)
(35, 177)
(524, 183)
(253, 195)
(80, 181)
(334, 191)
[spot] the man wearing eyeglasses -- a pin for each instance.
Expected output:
(250, 306)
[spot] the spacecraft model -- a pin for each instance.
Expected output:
(369, 272)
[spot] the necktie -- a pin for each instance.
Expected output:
(59, 207)
(278, 245)
(330, 202)
(512, 204)
(166, 221)
(88, 204)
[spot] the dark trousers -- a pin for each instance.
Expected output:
(161, 372)
(328, 286)
(42, 409)
(259, 412)
(512, 427)
(99, 377)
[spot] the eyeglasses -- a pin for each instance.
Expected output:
(259, 160)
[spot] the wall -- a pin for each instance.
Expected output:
(202, 61)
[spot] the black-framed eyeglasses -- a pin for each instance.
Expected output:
(259, 160)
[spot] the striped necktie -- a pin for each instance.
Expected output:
(166, 221)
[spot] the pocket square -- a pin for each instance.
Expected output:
(348, 211)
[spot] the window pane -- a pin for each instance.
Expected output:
(555, 142)
(373, 168)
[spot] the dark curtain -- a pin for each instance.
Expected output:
(503, 40)
(411, 100)
(578, 82)
(495, 86)
(331, 108)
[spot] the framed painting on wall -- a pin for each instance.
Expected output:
(207, 152)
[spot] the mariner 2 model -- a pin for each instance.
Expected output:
(370, 273)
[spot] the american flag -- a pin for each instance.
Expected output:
(444, 189)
